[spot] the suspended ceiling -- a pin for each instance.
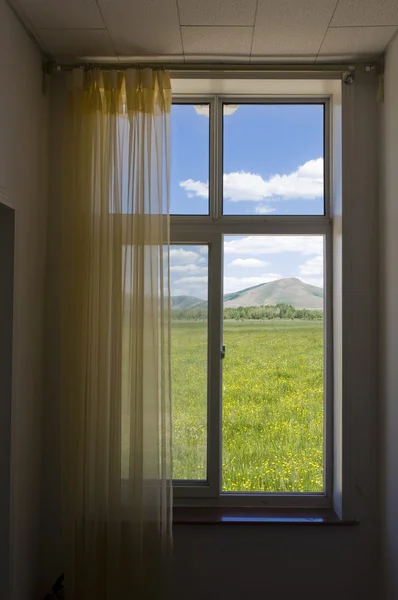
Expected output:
(246, 31)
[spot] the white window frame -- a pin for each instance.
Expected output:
(209, 229)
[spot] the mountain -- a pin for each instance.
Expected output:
(290, 290)
(184, 302)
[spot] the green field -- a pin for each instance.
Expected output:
(272, 404)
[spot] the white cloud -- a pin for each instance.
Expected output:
(235, 284)
(229, 109)
(311, 271)
(318, 282)
(178, 292)
(248, 262)
(197, 290)
(188, 269)
(195, 279)
(262, 209)
(195, 285)
(312, 267)
(179, 256)
(204, 109)
(305, 182)
(195, 188)
(275, 244)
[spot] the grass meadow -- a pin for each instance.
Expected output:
(272, 404)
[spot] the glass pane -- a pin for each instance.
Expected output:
(273, 159)
(189, 159)
(273, 373)
(189, 292)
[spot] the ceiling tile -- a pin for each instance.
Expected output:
(217, 12)
(365, 12)
(217, 40)
(77, 42)
(288, 27)
(143, 26)
(356, 41)
(63, 14)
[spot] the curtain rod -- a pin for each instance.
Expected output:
(53, 67)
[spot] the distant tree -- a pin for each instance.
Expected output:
(258, 313)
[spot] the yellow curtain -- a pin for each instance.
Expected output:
(115, 335)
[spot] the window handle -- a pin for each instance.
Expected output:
(222, 352)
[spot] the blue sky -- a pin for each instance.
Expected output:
(273, 165)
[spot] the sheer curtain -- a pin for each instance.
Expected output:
(115, 335)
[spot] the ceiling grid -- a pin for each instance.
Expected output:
(249, 31)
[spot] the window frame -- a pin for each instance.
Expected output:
(210, 229)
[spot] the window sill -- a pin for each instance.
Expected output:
(231, 516)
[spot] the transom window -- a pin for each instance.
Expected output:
(249, 265)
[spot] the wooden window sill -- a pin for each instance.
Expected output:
(250, 516)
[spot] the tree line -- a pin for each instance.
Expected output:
(260, 313)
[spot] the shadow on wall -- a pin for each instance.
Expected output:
(7, 228)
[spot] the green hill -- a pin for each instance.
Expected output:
(290, 290)
(184, 302)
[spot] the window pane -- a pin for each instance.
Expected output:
(189, 159)
(273, 159)
(189, 293)
(273, 373)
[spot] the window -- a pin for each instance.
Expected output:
(189, 273)
(273, 159)
(190, 143)
(251, 245)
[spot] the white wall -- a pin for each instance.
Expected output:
(389, 317)
(23, 176)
